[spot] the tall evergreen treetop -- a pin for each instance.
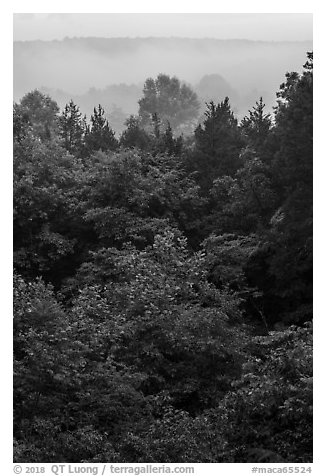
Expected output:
(218, 144)
(72, 127)
(99, 135)
(256, 126)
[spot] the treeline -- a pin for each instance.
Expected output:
(163, 280)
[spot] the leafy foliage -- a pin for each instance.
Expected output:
(163, 286)
(287, 253)
(44, 206)
(170, 100)
(38, 113)
(268, 416)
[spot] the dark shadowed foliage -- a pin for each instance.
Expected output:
(163, 281)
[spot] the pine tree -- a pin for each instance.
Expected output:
(286, 273)
(217, 144)
(99, 135)
(256, 127)
(134, 135)
(72, 128)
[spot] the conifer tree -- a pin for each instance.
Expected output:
(217, 144)
(72, 128)
(99, 135)
(256, 126)
(134, 135)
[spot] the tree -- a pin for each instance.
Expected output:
(45, 208)
(40, 112)
(117, 118)
(21, 123)
(162, 141)
(157, 283)
(171, 320)
(99, 135)
(134, 135)
(130, 196)
(72, 128)
(71, 401)
(170, 100)
(294, 130)
(268, 415)
(291, 233)
(282, 267)
(256, 127)
(246, 202)
(217, 144)
(213, 87)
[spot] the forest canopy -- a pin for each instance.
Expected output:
(163, 279)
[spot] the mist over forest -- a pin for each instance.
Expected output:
(163, 251)
(112, 71)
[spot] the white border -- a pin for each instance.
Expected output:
(168, 6)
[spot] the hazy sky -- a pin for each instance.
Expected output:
(253, 26)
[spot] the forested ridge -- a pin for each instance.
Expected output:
(163, 280)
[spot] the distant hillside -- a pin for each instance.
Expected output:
(113, 70)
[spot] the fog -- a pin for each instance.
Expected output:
(87, 68)
(252, 26)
